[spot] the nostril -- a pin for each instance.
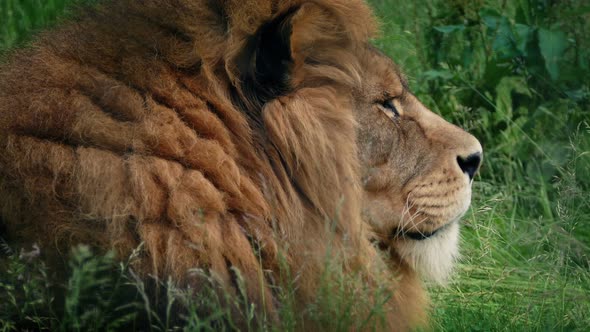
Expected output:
(470, 165)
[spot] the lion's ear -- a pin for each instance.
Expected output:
(269, 63)
(265, 62)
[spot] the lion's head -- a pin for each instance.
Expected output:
(416, 169)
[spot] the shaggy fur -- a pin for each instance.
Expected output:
(220, 134)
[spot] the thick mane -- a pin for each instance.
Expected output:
(216, 133)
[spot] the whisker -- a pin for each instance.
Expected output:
(405, 212)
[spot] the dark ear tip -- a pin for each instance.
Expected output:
(265, 62)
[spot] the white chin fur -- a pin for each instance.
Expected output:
(433, 258)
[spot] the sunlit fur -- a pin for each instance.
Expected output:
(435, 257)
(131, 124)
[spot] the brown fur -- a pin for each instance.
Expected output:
(133, 125)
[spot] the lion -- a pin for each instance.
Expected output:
(233, 136)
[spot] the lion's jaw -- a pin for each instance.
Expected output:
(432, 252)
(434, 257)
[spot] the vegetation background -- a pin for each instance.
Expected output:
(514, 73)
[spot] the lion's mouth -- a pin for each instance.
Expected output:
(417, 235)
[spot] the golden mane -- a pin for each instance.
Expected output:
(150, 122)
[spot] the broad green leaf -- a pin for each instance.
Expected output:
(524, 34)
(436, 74)
(504, 43)
(450, 28)
(553, 45)
(490, 18)
(578, 94)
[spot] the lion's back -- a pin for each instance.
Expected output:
(114, 143)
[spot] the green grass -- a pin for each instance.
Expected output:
(516, 74)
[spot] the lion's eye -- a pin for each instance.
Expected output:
(389, 107)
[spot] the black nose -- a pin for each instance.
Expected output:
(470, 165)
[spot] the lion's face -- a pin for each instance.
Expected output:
(417, 170)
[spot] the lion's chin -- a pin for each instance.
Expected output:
(433, 258)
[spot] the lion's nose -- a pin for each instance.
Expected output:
(470, 164)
